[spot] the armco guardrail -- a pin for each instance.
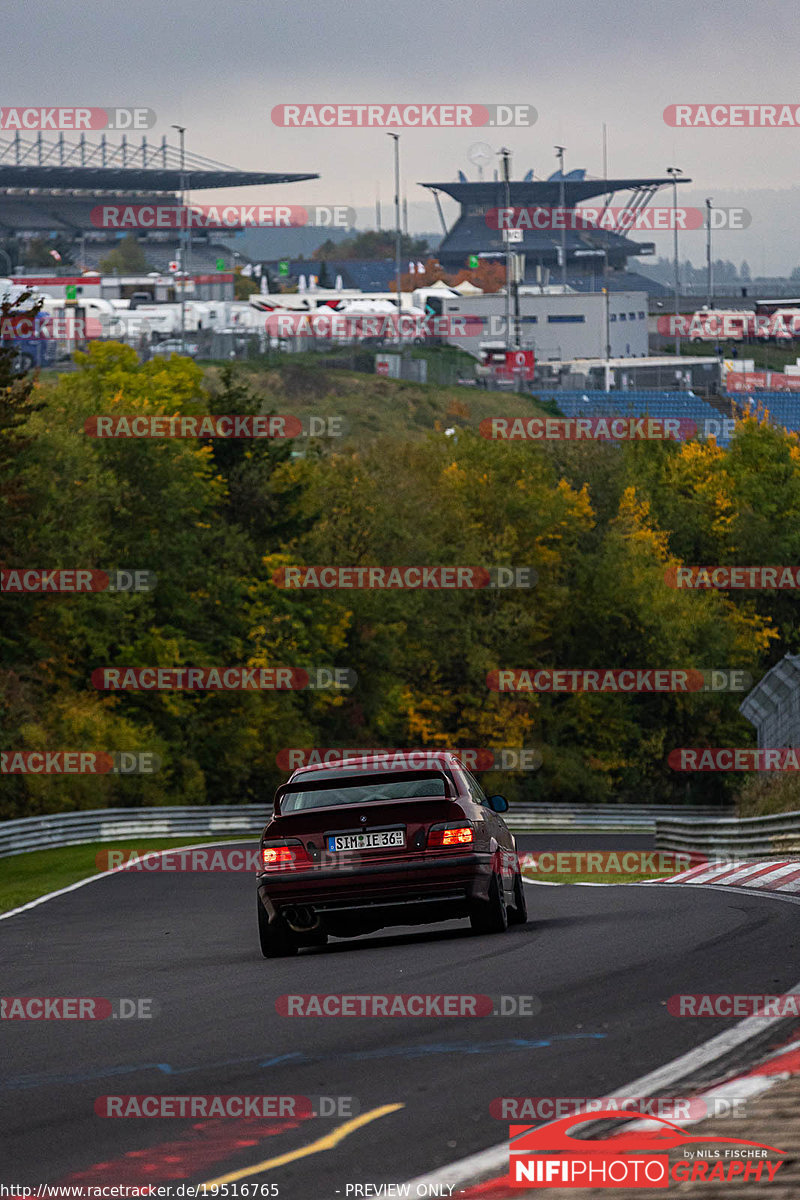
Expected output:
(594, 818)
(108, 824)
(732, 837)
(232, 820)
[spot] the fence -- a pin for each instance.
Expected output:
(748, 837)
(233, 820)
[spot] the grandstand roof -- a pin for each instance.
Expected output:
(473, 234)
(542, 191)
(97, 166)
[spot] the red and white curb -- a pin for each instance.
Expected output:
(753, 876)
(779, 1065)
(756, 876)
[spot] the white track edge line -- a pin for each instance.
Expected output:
(72, 887)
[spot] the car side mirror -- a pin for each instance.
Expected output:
(498, 803)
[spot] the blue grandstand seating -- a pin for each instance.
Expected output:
(641, 403)
(783, 407)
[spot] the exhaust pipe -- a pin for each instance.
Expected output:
(301, 918)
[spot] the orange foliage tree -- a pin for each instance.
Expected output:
(489, 276)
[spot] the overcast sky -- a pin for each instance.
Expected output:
(219, 68)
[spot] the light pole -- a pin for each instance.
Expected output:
(506, 160)
(675, 172)
(182, 130)
(560, 156)
(397, 234)
(709, 268)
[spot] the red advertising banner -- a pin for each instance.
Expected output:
(761, 381)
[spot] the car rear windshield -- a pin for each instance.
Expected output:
(354, 793)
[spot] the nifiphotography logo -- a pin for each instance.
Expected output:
(549, 1156)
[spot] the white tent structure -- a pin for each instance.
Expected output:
(468, 289)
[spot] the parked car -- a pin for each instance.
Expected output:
(173, 346)
(352, 847)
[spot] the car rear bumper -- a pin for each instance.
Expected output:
(391, 886)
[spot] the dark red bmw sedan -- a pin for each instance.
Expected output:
(353, 847)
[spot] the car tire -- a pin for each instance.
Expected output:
(275, 937)
(518, 915)
(490, 916)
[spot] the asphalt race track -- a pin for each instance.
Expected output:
(602, 960)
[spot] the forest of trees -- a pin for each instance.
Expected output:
(725, 272)
(215, 519)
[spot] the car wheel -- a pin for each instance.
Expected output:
(276, 938)
(490, 916)
(519, 913)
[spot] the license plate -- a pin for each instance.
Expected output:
(367, 841)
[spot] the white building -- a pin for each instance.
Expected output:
(558, 325)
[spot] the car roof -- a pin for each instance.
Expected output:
(385, 760)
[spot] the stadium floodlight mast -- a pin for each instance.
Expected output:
(675, 172)
(397, 235)
(181, 131)
(709, 267)
(512, 340)
(560, 156)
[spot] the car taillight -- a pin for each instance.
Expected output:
(450, 835)
(287, 856)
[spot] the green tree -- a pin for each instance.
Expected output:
(127, 258)
(38, 252)
(243, 286)
(373, 244)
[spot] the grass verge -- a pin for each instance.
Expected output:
(25, 877)
(593, 877)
